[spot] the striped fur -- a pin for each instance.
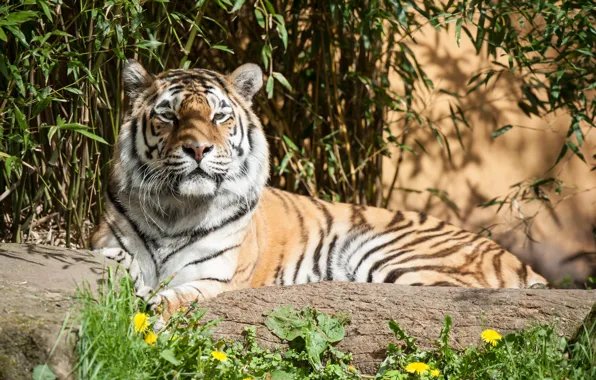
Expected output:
(188, 197)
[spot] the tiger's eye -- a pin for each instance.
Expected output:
(220, 117)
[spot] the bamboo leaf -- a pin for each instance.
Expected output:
(281, 79)
(501, 131)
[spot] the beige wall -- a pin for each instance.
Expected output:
(490, 166)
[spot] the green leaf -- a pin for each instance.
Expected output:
(149, 44)
(290, 143)
(458, 30)
(260, 17)
(91, 136)
(286, 323)
(43, 372)
(17, 18)
(3, 36)
(169, 356)
(402, 335)
(281, 375)
(20, 119)
(331, 327)
(501, 131)
(575, 150)
(283, 34)
(53, 130)
(45, 8)
(223, 47)
(281, 79)
(315, 345)
(237, 5)
(269, 87)
(18, 35)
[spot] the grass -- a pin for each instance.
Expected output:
(110, 347)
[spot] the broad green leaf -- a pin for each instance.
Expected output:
(331, 327)
(3, 36)
(286, 323)
(281, 79)
(169, 355)
(315, 344)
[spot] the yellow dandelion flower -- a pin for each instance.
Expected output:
(248, 378)
(435, 373)
(141, 322)
(417, 367)
(491, 336)
(150, 337)
(219, 355)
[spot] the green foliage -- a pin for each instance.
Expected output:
(109, 347)
(308, 330)
(327, 97)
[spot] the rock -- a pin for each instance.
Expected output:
(420, 311)
(37, 284)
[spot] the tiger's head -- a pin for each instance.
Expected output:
(191, 133)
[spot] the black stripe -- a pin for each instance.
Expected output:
(329, 269)
(497, 266)
(116, 234)
(328, 217)
(442, 253)
(390, 256)
(453, 238)
(423, 217)
(523, 275)
(202, 232)
(317, 255)
(396, 273)
(397, 218)
(226, 280)
(142, 236)
(443, 283)
(423, 239)
(381, 246)
(210, 257)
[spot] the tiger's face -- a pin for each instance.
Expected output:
(190, 129)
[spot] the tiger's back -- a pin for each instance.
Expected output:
(308, 240)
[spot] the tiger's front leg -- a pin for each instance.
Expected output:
(173, 298)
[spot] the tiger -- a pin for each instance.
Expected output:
(187, 201)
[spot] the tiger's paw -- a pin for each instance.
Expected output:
(117, 254)
(538, 285)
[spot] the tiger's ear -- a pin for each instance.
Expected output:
(136, 79)
(248, 79)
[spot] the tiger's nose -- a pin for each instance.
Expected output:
(196, 150)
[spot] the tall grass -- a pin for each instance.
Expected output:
(327, 95)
